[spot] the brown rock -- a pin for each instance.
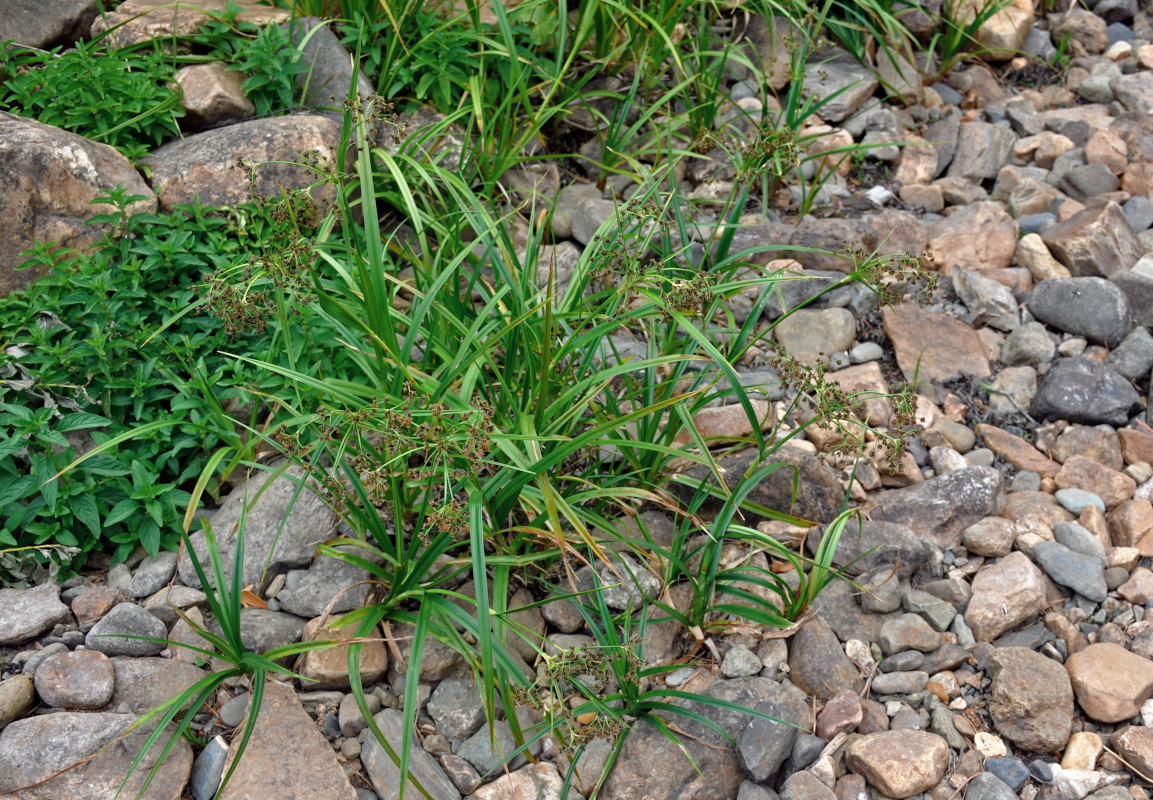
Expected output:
(1136, 446)
(1005, 594)
(1092, 442)
(1139, 588)
(80, 680)
(980, 236)
(539, 781)
(1130, 522)
(841, 714)
(1138, 178)
(1107, 146)
(328, 668)
(1135, 745)
(1079, 472)
(1086, 31)
(899, 763)
(1039, 506)
(212, 94)
(1017, 451)
(17, 697)
(138, 21)
(1082, 751)
(727, 423)
(933, 346)
(1093, 520)
(1033, 255)
(48, 179)
(1031, 699)
(1095, 242)
(93, 604)
(918, 164)
(817, 664)
(204, 164)
(992, 537)
(284, 727)
(1002, 35)
(1110, 682)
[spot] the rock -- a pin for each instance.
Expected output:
(841, 714)
(539, 781)
(982, 149)
(326, 580)
(1138, 589)
(1134, 92)
(327, 668)
(826, 238)
(28, 613)
(489, 757)
(901, 763)
(1135, 745)
(940, 509)
(933, 346)
(204, 165)
(1094, 443)
(1077, 500)
(908, 632)
(49, 178)
(211, 94)
(772, 38)
(1133, 358)
(262, 630)
(842, 80)
(456, 708)
(208, 769)
(1012, 389)
(34, 750)
(954, 244)
(805, 785)
(26, 22)
(110, 635)
(1137, 283)
(81, 681)
(740, 662)
(329, 64)
(136, 21)
(1111, 486)
(1079, 539)
(813, 335)
(1017, 451)
(1082, 751)
(145, 683)
(818, 496)
(1031, 699)
(1110, 682)
(152, 575)
(17, 697)
(989, 302)
(1077, 571)
(1087, 182)
(164, 604)
(308, 524)
(438, 662)
(1095, 242)
(766, 745)
(866, 545)
(1085, 391)
(817, 664)
(899, 683)
(1033, 255)
(992, 537)
(1091, 307)
(283, 726)
(95, 603)
(1005, 594)
(1085, 30)
(625, 583)
(987, 786)
(650, 765)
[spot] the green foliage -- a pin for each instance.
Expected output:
(122, 98)
(265, 55)
(79, 354)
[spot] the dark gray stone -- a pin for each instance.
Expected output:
(152, 575)
(1085, 183)
(456, 708)
(273, 535)
(1137, 284)
(1028, 345)
(1139, 211)
(328, 579)
(1133, 358)
(1082, 573)
(329, 64)
(866, 545)
(208, 769)
(385, 775)
(766, 745)
(1010, 770)
(818, 665)
(987, 786)
(942, 507)
(1091, 307)
(982, 149)
(1085, 391)
(110, 634)
(32, 23)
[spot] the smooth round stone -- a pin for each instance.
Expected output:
(866, 351)
(1026, 482)
(1012, 771)
(81, 680)
(1075, 500)
(233, 711)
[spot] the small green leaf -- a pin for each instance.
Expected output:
(84, 508)
(74, 422)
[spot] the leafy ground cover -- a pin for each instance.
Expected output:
(466, 408)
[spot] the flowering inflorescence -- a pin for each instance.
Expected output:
(580, 672)
(893, 276)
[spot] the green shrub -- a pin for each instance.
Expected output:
(122, 98)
